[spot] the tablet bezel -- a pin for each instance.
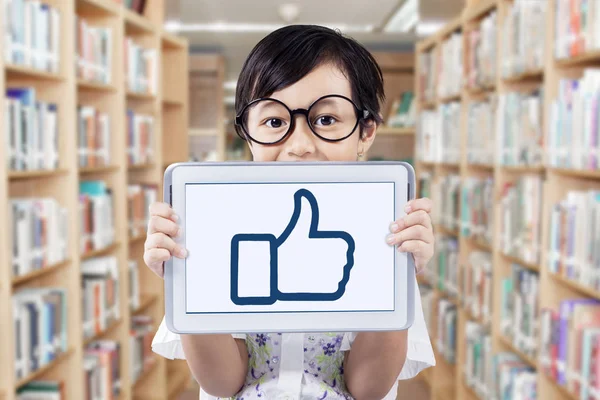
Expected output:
(178, 321)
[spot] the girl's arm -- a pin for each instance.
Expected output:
(219, 363)
(373, 364)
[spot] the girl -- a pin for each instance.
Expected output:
(338, 87)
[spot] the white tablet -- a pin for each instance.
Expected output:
(288, 247)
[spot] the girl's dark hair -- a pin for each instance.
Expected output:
(288, 54)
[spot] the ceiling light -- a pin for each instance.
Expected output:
(289, 12)
(172, 25)
(230, 85)
(405, 18)
(428, 28)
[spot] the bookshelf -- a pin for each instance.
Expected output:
(548, 167)
(167, 106)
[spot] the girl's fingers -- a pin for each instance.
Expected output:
(416, 247)
(424, 204)
(419, 217)
(415, 232)
(154, 259)
(164, 210)
(160, 224)
(162, 241)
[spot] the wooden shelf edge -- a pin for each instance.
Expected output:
(99, 252)
(140, 96)
(563, 390)
(481, 167)
(524, 357)
(576, 286)
(591, 56)
(450, 99)
(98, 86)
(517, 260)
(480, 244)
(203, 131)
(479, 10)
(137, 22)
(145, 302)
(102, 334)
(22, 175)
(135, 239)
(536, 74)
(392, 131)
(138, 167)
(106, 6)
(523, 169)
(32, 72)
(98, 170)
(576, 173)
(173, 41)
(23, 279)
(46, 368)
(147, 371)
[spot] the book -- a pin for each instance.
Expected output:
(140, 339)
(477, 287)
(450, 72)
(446, 330)
(96, 213)
(31, 131)
(577, 27)
(402, 112)
(477, 209)
(42, 390)
(523, 38)
(94, 144)
(438, 134)
(424, 184)
(520, 315)
(481, 53)
(427, 74)
(481, 131)
(521, 213)
(519, 133)
(573, 132)
(39, 234)
(140, 138)
(94, 51)
(141, 67)
(446, 269)
(40, 327)
(134, 284)
(32, 35)
(446, 206)
(513, 378)
(573, 250)
(100, 294)
(102, 370)
(478, 364)
(139, 199)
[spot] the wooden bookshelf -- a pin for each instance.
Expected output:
(169, 107)
(557, 182)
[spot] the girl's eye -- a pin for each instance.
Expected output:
(274, 123)
(325, 120)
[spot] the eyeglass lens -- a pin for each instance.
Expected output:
(268, 121)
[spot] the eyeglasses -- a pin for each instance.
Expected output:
(269, 121)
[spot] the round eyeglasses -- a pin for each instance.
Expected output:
(269, 121)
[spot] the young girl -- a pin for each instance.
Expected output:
(336, 87)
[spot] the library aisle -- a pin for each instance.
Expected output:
(91, 86)
(507, 147)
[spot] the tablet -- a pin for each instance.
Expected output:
(288, 247)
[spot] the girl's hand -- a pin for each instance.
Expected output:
(160, 246)
(414, 232)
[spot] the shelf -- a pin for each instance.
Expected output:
(523, 169)
(100, 252)
(140, 96)
(18, 71)
(172, 102)
(450, 99)
(203, 131)
(560, 388)
(428, 105)
(43, 370)
(145, 302)
(479, 91)
(524, 357)
(576, 286)
(135, 23)
(576, 173)
(95, 86)
(103, 334)
(23, 175)
(426, 164)
(480, 244)
(445, 231)
(517, 260)
(135, 239)
(448, 165)
(171, 41)
(527, 76)
(586, 58)
(106, 7)
(24, 279)
(479, 10)
(139, 167)
(395, 131)
(481, 167)
(98, 170)
(146, 371)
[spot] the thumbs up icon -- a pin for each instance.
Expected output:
(304, 263)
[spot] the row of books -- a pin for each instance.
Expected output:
(102, 370)
(477, 286)
(94, 51)
(135, 5)
(450, 64)
(477, 214)
(96, 211)
(479, 360)
(403, 111)
(40, 328)
(134, 284)
(42, 390)
(427, 301)
(573, 238)
(427, 67)
(438, 137)
(520, 314)
(446, 206)
(577, 27)
(523, 37)
(481, 53)
(424, 184)
(100, 294)
(32, 34)
(481, 128)
(31, 131)
(446, 274)
(521, 213)
(574, 132)
(519, 133)
(141, 334)
(570, 344)
(141, 67)
(94, 141)
(39, 234)
(514, 378)
(140, 138)
(447, 319)
(139, 198)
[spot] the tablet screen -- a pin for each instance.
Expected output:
(289, 247)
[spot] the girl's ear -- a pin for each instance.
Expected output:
(368, 136)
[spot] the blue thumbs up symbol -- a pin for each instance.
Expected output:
(300, 249)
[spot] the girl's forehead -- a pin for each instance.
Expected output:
(322, 81)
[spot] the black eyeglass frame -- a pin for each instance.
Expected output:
(360, 115)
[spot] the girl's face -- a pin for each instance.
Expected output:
(301, 144)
